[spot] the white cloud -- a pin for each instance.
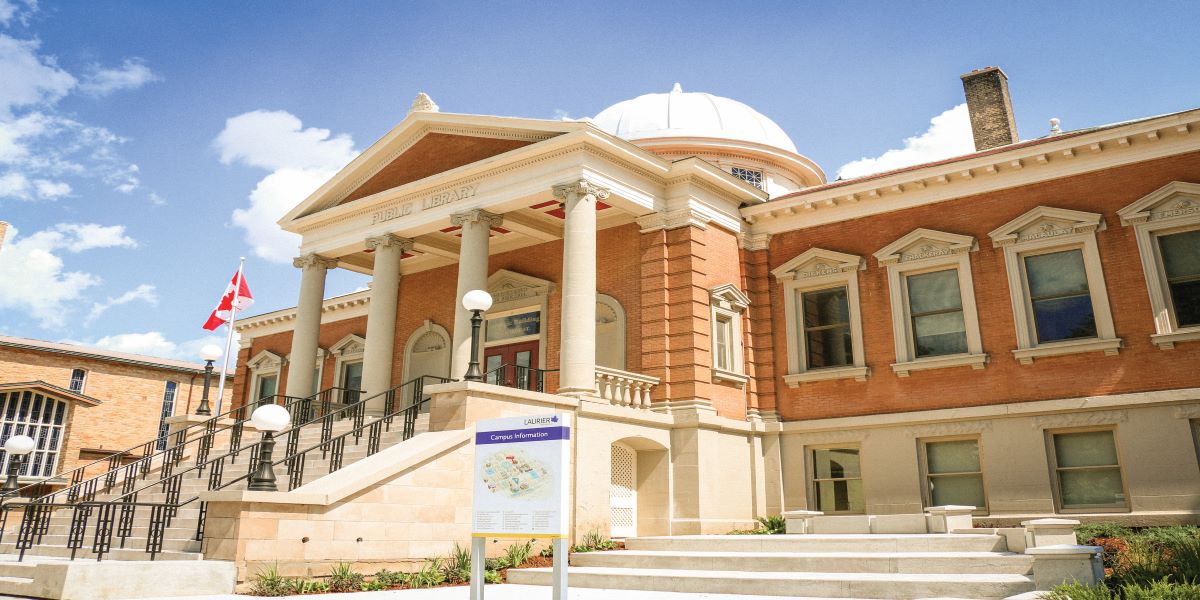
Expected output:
(949, 134)
(29, 78)
(144, 292)
(16, 10)
(33, 271)
(277, 140)
(52, 189)
(300, 160)
(132, 74)
(154, 343)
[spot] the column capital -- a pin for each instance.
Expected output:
(388, 240)
(312, 259)
(477, 215)
(581, 187)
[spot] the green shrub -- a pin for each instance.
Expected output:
(1169, 536)
(342, 578)
(430, 575)
(391, 578)
(492, 577)
(1078, 591)
(296, 587)
(516, 554)
(547, 552)
(1155, 590)
(1149, 559)
(373, 586)
(772, 525)
(1086, 533)
(457, 566)
(594, 540)
(268, 582)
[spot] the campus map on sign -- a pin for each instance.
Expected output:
(521, 476)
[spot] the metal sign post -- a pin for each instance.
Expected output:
(521, 489)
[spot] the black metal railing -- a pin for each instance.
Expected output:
(520, 377)
(105, 519)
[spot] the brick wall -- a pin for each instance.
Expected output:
(1140, 366)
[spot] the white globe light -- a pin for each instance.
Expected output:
(19, 445)
(210, 352)
(270, 417)
(477, 300)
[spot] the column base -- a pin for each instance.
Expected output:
(577, 392)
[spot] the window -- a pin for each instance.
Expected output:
(168, 409)
(1181, 263)
(1166, 225)
(934, 318)
(264, 376)
(1060, 303)
(610, 333)
(268, 386)
(78, 377)
(837, 481)
(953, 474)
(751, 176)
(728, 305)
(347, 368)
(1086, 471)
(351, 382)
(826, 317)
(824, 323)
(28, 412)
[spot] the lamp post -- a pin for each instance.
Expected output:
(475, 301)
(268, 418)
(17, 447)
(209, 353)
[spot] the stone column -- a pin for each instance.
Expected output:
(381, 317)
(577, 352)
(308, 321)
(477, 227)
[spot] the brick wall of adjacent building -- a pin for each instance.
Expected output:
(1140, 365)
(130, 396)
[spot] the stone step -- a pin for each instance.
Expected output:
(899, 586)
(823, 543)
(54, 577)
(813, 562)
(137, 542)
(131, 551)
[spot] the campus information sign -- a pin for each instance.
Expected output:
(522, 476)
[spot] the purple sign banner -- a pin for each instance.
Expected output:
(515, 436)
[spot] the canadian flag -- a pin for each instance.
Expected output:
(237, 296)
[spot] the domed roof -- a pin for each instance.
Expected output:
(690, 114)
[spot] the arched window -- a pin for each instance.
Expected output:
(28, 412)
(427, 352)
(610, 333)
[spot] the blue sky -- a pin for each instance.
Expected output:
(143, 143)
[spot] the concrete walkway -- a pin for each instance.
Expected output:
(505, 592)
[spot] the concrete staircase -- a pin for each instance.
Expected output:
(179, 540)
(899, 566)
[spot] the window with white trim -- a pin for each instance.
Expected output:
(31, 413)
(728, 304)
(1056, 284)
(78, 379)
(953, 474)
(1087, 472)
(168, 409)
(824, 320)
(752, 176)
(1166, 224)
(264, 376)
(935, 321)
(837, 485)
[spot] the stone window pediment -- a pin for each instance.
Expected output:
(925, 245)
(818, 262)
(507, 286)
(349, 346)
(729, 297)
(265, 361)
(1164, 223)
(1045, 223)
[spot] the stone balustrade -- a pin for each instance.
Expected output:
(623, 388)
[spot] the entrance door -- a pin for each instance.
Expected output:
(519, 362)
(622, 495)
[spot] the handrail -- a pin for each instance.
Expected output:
(524, 378)
(36, 515)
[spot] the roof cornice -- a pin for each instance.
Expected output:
(332, 309)
(1019, 164)
(148, 362)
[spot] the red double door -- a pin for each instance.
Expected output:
(512, 365)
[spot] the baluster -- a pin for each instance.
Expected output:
(215, 474)
(335, 457)
(254, 450)
(89, 490)
(79, 517)
(177, 450)
(173, 496)
(130, 478)
(158, 526)
(147, 459)
(200, 522)
(646, 395)
(125, 524)
(604, 385)
(168, 468)
(110, 477)
(235, 440)
(102, 541)
(376, 431)
(293, 441)
(295, 469)
(3, 521)
(326, 428)
(360, 413)
(28, 530)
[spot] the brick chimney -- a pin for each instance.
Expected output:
(990, 107)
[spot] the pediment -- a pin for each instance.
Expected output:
(1046, 222)
(729, 297)
(426, 144)
(351, 345)
(924, 244)
(509, 286)
(817, 262)
(265, 361)
(1176, 200)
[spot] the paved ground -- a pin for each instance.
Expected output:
(507, 592)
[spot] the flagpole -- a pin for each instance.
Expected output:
(237, 288)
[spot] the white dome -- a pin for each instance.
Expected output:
(690, 114)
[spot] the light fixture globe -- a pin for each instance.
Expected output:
(270, 417)
(19, 445)
(477, 300)
(210, 352)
